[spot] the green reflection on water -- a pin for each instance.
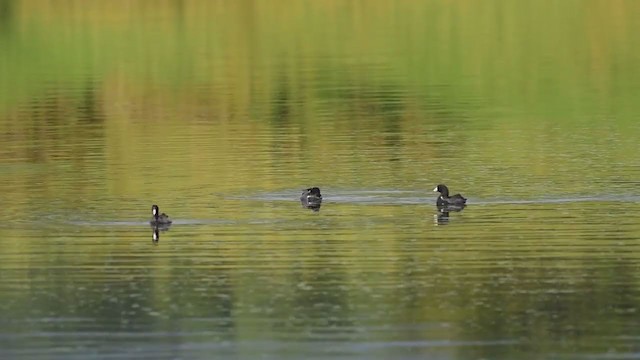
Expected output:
(222, 111)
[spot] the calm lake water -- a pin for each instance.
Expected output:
(222, 112)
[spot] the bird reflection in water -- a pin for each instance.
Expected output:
(155, 236)
(314, 207)
(442, 218)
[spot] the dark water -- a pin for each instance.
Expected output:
(221, 113)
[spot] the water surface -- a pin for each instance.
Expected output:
(222, 112)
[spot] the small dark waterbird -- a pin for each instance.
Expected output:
(311, 198)
(444, 200)
(159, 219)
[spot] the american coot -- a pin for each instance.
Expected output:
(444, 200)
(159, 219)
(311, 198)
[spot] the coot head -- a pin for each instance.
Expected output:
(314, 191)
(442, 189)
(311, 194)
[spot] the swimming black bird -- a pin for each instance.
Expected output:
(311, 198)
(159, 219)
(444, 200)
